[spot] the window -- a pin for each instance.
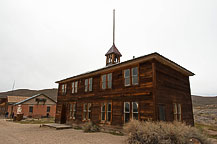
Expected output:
(84, 111)
(126, 111)
(162, 113)
(88, 84)
(107, 81)
(103, 112)
(74, 111)
(179, 112)
(89, 111)
(64, 89)
(48, 109)
(131, 111)
(131, 77)
(30, 109)
(134, 76)
(127, 77)
(109, 108)
(70, 111)
(106, 112)
(75, 87)
(175, 111)
(135, 110)
(103, 81)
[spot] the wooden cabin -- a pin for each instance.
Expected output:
(150, 87)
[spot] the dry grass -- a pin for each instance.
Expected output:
(90, 127)
(162, 133)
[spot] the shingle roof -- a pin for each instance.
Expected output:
(15, 99)
(113, 49)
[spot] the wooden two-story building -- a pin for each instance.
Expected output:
(150, 87)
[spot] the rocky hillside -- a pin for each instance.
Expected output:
(52, 93)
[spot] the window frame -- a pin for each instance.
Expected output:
(128, 77)
(48, 109)
(135, 112)
(32, 108)
(106, 83)
(63, 89)
(126, 112)
(132, 76)
(106, 112)
(74, 111)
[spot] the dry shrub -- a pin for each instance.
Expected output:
(90, 127)
(141, 132)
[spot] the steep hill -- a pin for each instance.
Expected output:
(52, 93)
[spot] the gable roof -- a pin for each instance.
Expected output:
(144, 58)
(15, 99)
(34, 97)
(114, 50)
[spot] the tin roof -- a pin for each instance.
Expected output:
(29, 98)
(114, 50)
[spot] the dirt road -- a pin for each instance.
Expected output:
(14, 133)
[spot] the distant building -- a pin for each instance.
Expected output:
(7, 102)
(37, 106)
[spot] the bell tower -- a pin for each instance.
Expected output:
(113, 55)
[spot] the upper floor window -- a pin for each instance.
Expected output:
(107, 81)
(63, 88)
(75, 87)
(88, 84)
(134, 76)
(131, 77)
(127, 77)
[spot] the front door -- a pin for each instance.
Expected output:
(63, 114)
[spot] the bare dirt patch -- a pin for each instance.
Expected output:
(15, 133)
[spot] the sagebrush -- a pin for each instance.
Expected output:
(140, 132)
(90, 127)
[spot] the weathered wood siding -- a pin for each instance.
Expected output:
(173, 87)
(141, 93)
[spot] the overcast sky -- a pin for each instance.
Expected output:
(42, 41)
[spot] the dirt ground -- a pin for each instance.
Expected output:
(15, 133)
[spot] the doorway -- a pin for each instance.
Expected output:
(63, 114)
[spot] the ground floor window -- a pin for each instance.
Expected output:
(48, 109)
(74, 110)
(177, 112)
(106, 111)
(30, 109)
(162, 113)
(131, 111)
(87, 111)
